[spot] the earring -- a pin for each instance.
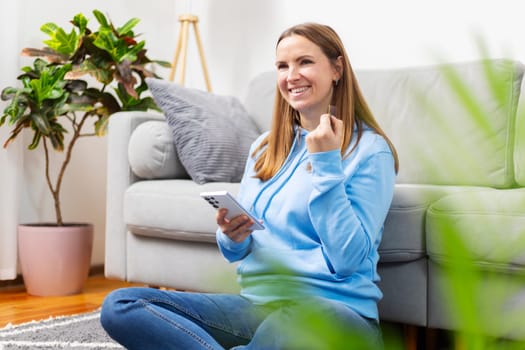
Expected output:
(336, 81)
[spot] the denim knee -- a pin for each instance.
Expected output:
(109, 318)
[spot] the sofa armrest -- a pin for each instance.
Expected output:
(119, 178)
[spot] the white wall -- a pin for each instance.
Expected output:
(10, 159)
(240, 34)
(239, 41)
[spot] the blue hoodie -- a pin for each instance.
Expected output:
(324, 218)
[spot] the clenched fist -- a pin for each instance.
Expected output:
(327, 136)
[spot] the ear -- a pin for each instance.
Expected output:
(338, 68)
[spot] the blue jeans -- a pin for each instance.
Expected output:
(146, 318)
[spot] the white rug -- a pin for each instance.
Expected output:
(69, 332)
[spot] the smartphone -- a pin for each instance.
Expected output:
(224, 199)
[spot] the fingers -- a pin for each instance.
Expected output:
(327, 136)
(237, 229)
(330, 121)
(329, 126)
(337, 126)
(221, 216)
(325, 123)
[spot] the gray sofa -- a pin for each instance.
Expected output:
(462, 168)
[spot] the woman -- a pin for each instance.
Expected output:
(322, 184)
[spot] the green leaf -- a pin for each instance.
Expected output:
(126, 28)
(41, 123)
(50, 84)
(101, 18)
(36, 140)
(101, 125)
(141, 105)
(130, 54)
(108, 41)
(80, 21)
(16, 109)
(164, 64)
(59, 40)
(57, 141)
(118, 48)
(9, 93)
(49, 28)
(103, 74)
(39, 65)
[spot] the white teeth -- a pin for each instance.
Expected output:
(298, 90)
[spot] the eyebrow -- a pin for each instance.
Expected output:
(297, 59)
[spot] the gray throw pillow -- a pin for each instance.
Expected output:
(212, 133)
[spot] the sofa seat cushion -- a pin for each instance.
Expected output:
(172, 209)
(491, 223)
(404, 234)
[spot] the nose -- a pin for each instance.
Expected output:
(293, 73)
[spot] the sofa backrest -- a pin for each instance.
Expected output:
(259, 99)
(451, 124)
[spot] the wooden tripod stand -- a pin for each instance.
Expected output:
(182, 44)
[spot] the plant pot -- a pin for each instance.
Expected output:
(55, 260)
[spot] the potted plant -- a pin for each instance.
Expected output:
(79, 76)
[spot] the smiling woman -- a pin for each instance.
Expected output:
(323, 209)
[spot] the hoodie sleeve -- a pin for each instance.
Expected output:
(231, 250)
(349, 204)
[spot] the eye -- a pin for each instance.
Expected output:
(305, 61)
(281, 66)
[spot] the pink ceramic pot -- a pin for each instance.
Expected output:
(55, 260)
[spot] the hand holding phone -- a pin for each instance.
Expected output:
(224, 199)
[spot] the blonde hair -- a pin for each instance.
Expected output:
(351, 106)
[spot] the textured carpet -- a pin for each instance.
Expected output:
(77, 332)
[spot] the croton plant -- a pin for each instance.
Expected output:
(78, 76)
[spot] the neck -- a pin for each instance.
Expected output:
(310, 119)
(308, 124)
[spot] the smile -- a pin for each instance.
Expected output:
(298, 90)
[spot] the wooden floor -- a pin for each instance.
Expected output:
(16, 306)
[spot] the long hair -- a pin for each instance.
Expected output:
(351, 106)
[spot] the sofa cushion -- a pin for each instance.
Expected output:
(404, 230)
(151, 152)
(172, 209)
(491, 223)
(452, 125)
(212, 133)
(260, 97)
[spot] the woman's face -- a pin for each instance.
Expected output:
(304, 77)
